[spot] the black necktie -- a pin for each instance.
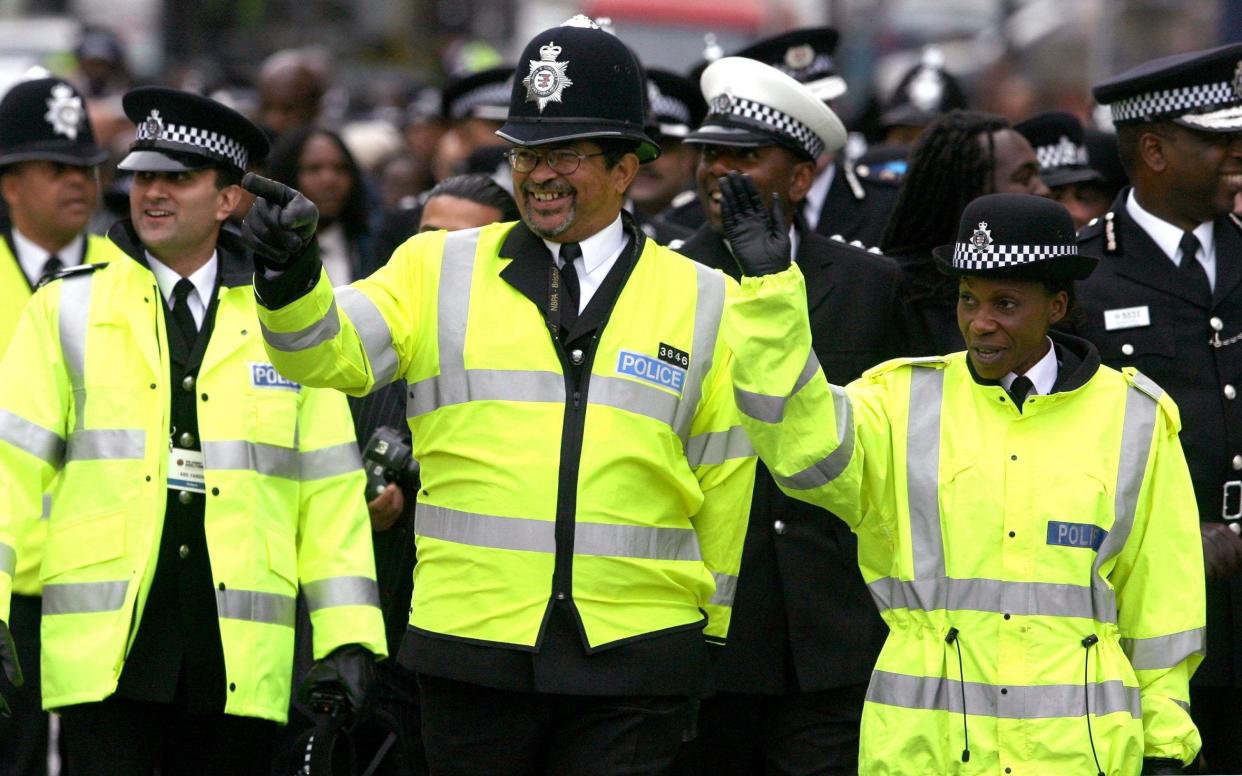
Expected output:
(1192, 267)
(50, 268)
(1018, 390)
(569, 276)
(182, 317)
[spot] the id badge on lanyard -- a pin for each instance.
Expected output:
(185, 470)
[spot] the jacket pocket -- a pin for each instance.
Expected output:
(86, 542)
(1135, 347)
(273, 417)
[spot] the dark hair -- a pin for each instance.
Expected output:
(480, 189)
(227, 176)
(1128, 136)
(614, 149)
(284, 164)
(948, 168)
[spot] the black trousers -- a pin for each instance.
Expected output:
(121, 737)
(470, 730)
(23, 736)
(1215, 712)
(800, 734)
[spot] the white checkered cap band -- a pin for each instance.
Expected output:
(775, 120)
(968, 257)
(668, 108)
(216, 144)
(1065, 154)
(1174, 101)
(491, 96)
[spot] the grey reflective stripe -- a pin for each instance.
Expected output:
(372, 330)
(329, 461)
(83, 597)
(518, 533)
(1184, 704)
(47, 506)
(8, 559)
(107, 444)
(1164, 651)
(317, 333)
(75, 305)
(459, 387)
(1037, 702)
(453, 299)
(923, 470)
(237, 454)
(708, 309)
(256, 606)
(726, 587)
(42, 443)
(340, 591)
(635, 397)
(829, 467)
(716, 447)
(1137, 429)
(771, 409)
(984, 595)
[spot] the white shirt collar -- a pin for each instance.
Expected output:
(1167, 236)
(813, 205)
(204, 280)
(600, 247)
(31, 257)
(1043, 375)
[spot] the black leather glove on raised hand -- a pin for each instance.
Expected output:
(8, 663)
(281, 223)
(345, 675)
(1156, 765)
(758, 235)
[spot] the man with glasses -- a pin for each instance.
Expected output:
(1167, 299)
(585, 481)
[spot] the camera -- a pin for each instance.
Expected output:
(388, 458)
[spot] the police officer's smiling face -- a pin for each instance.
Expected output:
(1200, 171)
(570, 207)
(773, 169)
(178, 214)
(1005, 322)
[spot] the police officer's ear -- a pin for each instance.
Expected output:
(803, 175)
(1153, 147)
(1058, 306)
(228, 198)
(624, 172)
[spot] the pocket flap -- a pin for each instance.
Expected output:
(86, 542)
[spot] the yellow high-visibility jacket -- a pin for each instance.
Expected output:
(1054, 552)
(653, 468)
(86, 394)
(14, 294)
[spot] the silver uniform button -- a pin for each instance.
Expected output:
(1216, 323)
(1230, 392)
(183, 551)
(1127, 349)
(779, 526)
(576, 356)
(184, 496)
(186, 439)
(187, 384)
(1237, 463)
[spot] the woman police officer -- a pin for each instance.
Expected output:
(1024, 515)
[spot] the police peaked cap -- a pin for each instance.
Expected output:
(676, 105)
(751, 104)
(481, 95)
(179, 131)
(805, 55)
(1015, 236)
(1201, 90)
(578, 82)
(1060, 147)
(45, 119)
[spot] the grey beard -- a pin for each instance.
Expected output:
(548, 234)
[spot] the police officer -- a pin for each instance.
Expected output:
(584, 479)
(1064, 166)
(675, 109)
(1167, 299)
(792, 678)
(197, 488)
(47, 178)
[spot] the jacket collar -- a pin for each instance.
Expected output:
(1077, 362)
(236, 262)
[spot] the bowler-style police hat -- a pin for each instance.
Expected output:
(1201, 90)
(675, 103)
(805, 55)
(923, 94)
(1060, 148)
(577, 82)
(481, 95)
(180, 131)
(45, 119)
(1015, 236)
(750, 104)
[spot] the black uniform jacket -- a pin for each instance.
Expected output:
(857, 206)
(1192, 349)
(802, 617)
(929, 303)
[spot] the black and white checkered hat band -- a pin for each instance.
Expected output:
(1065, 154)
(494, 96)
(1174, 101)
(771, 118)
(967, 257)
(668, 109)
(212, 144)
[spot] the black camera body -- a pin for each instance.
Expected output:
(387, 458)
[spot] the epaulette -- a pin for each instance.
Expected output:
(684, 198)
(852, 179)
(1106, 226)
(1142, 382)
(68, 272)
(857, 244)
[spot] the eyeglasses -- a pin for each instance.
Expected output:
(563, 161)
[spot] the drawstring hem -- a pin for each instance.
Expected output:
(951, 638)
(1087, 643)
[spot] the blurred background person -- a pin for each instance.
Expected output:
(1064, 166)
(291, 88)
(676, 109)
(467, 201)
(101, 67)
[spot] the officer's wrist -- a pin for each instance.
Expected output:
(276, 286)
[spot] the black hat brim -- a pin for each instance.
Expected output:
(1072, 267)
(737, 136)
(148, 160)
(1067, 175)
(77, 156)
(537, 133)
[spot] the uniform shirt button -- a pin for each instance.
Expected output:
(1127, 349)
(183, 551)
(1216, 323)
(184, 496)
(186, 439)
(576, 356)
(1230, 392)
(1237, 462)
(779, 527)
(187, 384)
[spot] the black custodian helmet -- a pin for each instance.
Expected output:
(45, 119)
(574, 82)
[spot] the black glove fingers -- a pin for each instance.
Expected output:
(778, 214)
(276, 193)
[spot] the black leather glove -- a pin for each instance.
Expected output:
(1157, 765)
(1222, 551)
(344, 676)
(759, 236)
(281, 223)
(8, 662)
